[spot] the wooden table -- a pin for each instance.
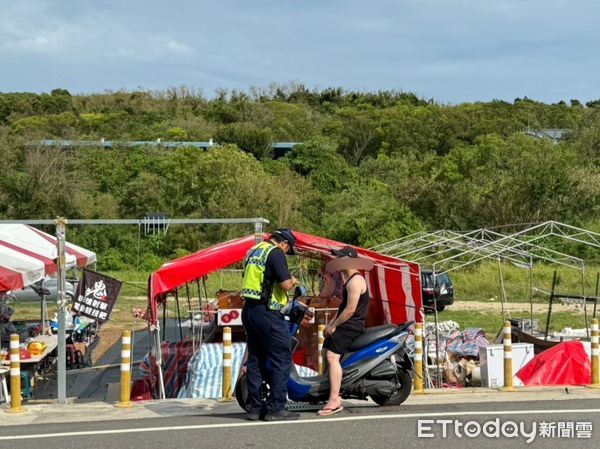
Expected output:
(51, 343)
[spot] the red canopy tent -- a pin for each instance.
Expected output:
(395, 284)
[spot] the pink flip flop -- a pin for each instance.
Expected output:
(330, 411)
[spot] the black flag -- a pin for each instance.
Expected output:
(96, 295)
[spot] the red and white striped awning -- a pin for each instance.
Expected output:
(23, 249)
(18, 270)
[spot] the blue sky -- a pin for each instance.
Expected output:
(453, 51)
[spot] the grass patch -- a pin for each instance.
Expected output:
(477, 283)
(133, 295)
(481, 282)
(492, 324)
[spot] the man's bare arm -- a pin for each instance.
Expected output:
(355, 288)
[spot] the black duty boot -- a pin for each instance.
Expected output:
(282, 415)
(256, 415)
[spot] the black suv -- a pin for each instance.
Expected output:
(443, 288)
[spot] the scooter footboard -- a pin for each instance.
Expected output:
(307, 389)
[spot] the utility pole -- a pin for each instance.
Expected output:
(61, 230)
(258, 231)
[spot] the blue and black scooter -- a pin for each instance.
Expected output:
(378, 367)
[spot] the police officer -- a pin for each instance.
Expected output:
(267, 280)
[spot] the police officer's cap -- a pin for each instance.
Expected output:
(287, 235)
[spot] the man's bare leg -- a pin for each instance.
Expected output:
(335, 382)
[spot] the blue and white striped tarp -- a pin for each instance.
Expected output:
(205, 371)
(305, 371)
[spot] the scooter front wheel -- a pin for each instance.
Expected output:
(243, 397)
(399, 396)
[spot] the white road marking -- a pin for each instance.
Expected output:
(298, 422)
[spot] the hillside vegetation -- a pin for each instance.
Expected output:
(373, 166)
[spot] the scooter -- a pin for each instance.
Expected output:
(378, 367)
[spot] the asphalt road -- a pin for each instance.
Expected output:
(565, 424)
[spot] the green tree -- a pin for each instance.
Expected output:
(358, 132)
(368, 215)
(248, 137)
(319, 161)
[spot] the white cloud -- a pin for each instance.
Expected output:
(450, 50)
(35, 44)
(44, 40)
(148, 48)
(177, 48)
(81, 34)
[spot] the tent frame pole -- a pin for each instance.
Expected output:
(550, 306)
(179, 315)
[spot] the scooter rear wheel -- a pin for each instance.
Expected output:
(400, 395)
(243, 397)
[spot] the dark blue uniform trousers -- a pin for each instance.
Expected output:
(267, 337)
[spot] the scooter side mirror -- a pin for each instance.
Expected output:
(299, 291)
(297, 312)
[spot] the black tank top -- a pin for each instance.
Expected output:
(356, 321)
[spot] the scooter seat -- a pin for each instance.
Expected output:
(373, 334)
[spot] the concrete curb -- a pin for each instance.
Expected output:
(46, 412)
(489, 395)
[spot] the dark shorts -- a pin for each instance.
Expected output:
(341, 340)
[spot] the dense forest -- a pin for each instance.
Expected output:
(373, 166)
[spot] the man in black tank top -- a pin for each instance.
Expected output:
(347, 325)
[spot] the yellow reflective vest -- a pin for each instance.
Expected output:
(254, 276)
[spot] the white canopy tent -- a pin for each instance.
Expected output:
(18, 270)
(32, 253)
(447, 251)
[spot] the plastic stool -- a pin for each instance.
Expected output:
(70, 356)
(74, 357)
(25, 385)
(4, 396)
